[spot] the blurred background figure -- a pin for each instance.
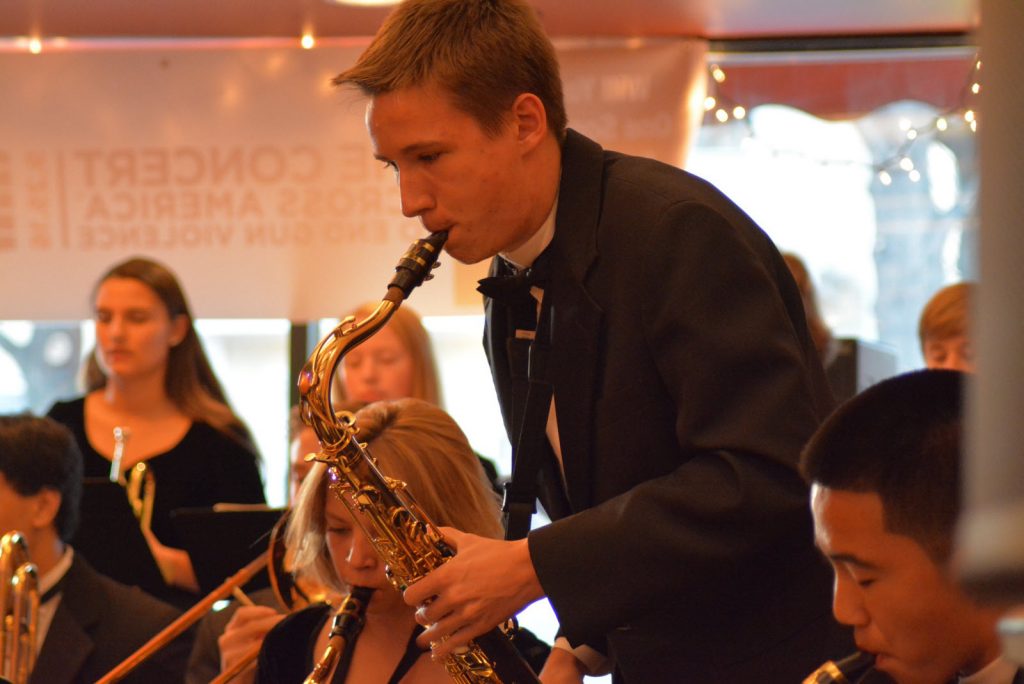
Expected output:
(87, 623)
(821, 335)
(944, 328)
(150, 378)
(395, 363)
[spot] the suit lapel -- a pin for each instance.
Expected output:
(576, 335)
(68, 643)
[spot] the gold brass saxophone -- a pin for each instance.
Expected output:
(345, 627)
(139, 485)
(410, 543)
(19, 609)
(843, 671)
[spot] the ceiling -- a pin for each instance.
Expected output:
(713, 19)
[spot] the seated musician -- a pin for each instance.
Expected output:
(885, 494)
(87, 622)
(419, 444)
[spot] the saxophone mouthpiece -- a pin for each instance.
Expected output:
(415, 266)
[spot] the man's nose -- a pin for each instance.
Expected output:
(847, 605)
(415, 197)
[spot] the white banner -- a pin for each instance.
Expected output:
(251, 176)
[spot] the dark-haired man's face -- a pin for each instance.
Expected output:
(16, 511)
(451, 174)
(902, 606)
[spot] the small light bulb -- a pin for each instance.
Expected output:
(884, 178)
(911, 134)
(717, 73)
(709, 103)
(739, 112)
(307, 41)
(721, 115)
(914, 175)
(941, 123)
(35, 46)
(907, 164)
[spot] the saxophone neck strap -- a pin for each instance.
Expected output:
(520, 493)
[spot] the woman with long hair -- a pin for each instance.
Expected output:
(149, 378)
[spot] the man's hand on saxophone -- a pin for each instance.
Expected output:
(487, 582)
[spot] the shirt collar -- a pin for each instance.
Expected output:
(55, 574)
(999, 671)
(524, 256)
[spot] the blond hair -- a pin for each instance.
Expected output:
(485, 53)
(408, 327)
(419, 444)
(946, 314)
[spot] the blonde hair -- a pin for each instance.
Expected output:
(946, 314)
(419, 444)
(408, 326)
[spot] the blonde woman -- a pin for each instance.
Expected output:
(418, 443)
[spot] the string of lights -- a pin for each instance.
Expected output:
(721, 108)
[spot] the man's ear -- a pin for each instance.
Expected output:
(531, 120)
(45, 507)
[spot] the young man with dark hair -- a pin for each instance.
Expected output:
(885, 495)
(683, 379)
(87, 622)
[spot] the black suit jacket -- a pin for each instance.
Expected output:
(685, 385)
(98, 624)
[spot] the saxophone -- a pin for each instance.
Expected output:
(843, 671)
(410, 543)
(345, 627)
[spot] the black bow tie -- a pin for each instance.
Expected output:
(507, 287)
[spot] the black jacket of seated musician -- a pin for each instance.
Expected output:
(685, 384)
(98, 624)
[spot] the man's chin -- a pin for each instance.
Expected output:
(900, 672)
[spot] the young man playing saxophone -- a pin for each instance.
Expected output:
(684, 380)
(885, 495)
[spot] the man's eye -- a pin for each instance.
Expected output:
(339, 530)
(429, 158)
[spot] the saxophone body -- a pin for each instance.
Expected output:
(410, 544)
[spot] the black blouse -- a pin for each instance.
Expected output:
(206, 467)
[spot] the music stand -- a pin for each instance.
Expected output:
(222, 539)
(109, 537)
